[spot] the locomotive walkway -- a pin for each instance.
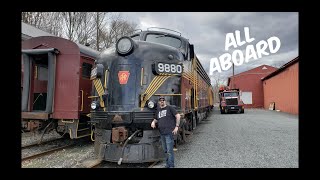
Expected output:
(256, 139)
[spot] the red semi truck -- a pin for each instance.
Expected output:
(230, 100)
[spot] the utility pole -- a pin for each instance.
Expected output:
(232, 75)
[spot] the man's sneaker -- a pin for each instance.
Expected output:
(175, 149)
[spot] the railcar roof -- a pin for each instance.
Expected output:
(28, 31)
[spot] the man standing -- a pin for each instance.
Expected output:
(168, 122)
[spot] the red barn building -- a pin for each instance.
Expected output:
(281, 88)
(250, 85)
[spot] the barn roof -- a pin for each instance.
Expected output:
(282, 68)
(253, 71)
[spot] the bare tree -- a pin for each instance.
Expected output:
(100, 24)
(217, 80)
(53, 23)
(108, 28)
(100, 29)
(46, 21)
(72, 23)
(87, 28)
(33, 18)
(117, 28)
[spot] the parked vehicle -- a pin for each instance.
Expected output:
(230, 100)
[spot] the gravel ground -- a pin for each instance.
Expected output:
(67, 158)
(44, 147)
(32, 137)
(256, 139)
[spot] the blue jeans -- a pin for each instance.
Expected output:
(167, 144)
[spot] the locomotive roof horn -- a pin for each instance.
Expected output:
(164, 29)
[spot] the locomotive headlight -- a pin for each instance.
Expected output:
(151, 104)
(93, 105)
(124, 45)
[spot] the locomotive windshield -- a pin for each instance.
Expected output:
(164, 39)
(230, 94)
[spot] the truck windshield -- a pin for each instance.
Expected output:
(164, 39)
(230, 94)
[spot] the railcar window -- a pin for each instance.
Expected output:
(164, 39)
(86, 70)
(42, 73)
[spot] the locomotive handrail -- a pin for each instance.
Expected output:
(91, 136)
(92, 97)
(141, 79)
(105, 78)
(156, 82)
(164, 28)
(81, 100)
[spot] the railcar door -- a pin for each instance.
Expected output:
(40, 81)
(85, 86)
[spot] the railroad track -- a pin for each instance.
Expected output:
(50, 151)
(48, 147)
(153, 164)
(37, 143)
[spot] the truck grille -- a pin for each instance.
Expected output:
(233, 101)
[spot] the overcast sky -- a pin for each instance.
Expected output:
(207, 31)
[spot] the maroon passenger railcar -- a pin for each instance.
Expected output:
(56, 85)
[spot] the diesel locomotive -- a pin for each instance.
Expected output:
(128, 79)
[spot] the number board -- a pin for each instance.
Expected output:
(93, 73)
(168, 68)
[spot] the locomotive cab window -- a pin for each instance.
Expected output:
(86, 70)
(164, 39)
